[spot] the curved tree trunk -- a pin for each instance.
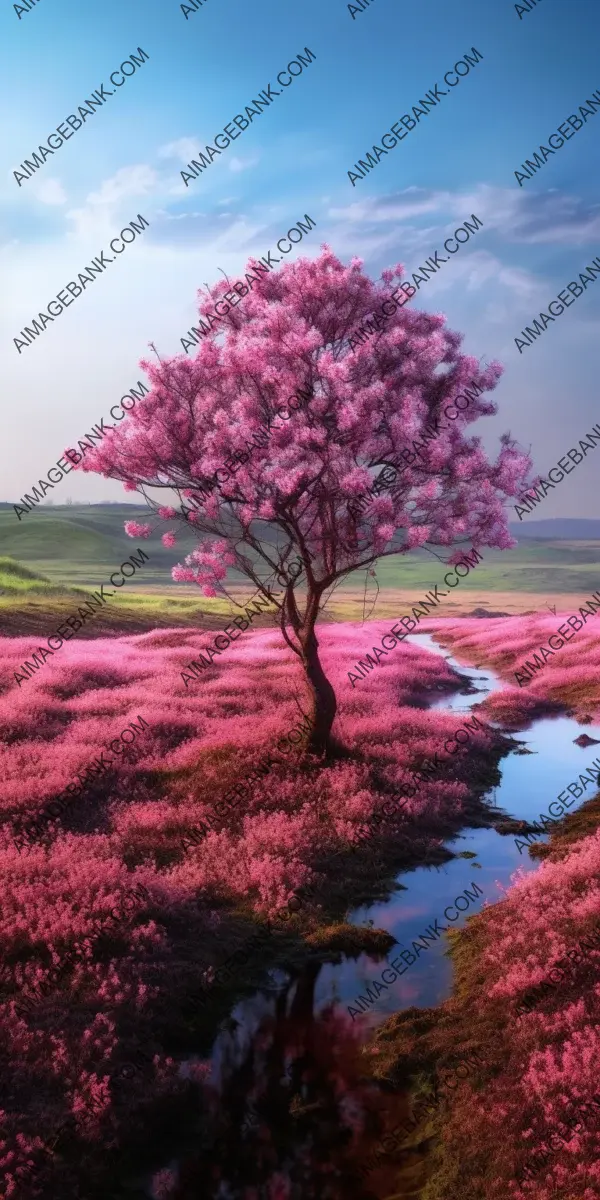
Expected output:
(322, 698)
(323, 702)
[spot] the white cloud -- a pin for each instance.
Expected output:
(242, 164)
(515, 289)
(137, 180)
(183, 149)
(178, 189)
(185, 216)
(526, 217)
(49, 191)
(391, 208)
(102, 208)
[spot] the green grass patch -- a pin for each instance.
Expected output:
(18, 580)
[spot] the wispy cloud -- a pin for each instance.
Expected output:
(526, 217)
(183, 149)
(49, 191)
(242, 164)
(136, 180)
(102, 207)
(399, 207)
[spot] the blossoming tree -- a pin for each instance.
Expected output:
(274, 430)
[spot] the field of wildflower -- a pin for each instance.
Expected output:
(66, 1031)
(112, 916)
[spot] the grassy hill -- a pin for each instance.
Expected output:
(70, 543)
(17, 580)
(31, 604)
(79, 546)
(74, 544)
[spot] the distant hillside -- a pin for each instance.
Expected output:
(571, 528)
(80, 544)
(109, 515)
(69, 542)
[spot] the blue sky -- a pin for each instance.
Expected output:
(293, 160)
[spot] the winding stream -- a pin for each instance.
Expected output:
(529, 783)
(256, 1052)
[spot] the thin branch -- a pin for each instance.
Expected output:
(438, 556)
(375, 600)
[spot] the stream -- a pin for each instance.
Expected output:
(529, 783)
(287, 1041)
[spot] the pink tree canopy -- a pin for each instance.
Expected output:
(296, 424)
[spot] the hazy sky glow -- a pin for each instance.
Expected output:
(294, 160)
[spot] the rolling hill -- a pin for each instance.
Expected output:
(79, 545)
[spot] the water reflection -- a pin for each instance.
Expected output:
(297, 1109)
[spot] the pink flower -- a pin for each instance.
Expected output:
(133, 529)
(183, 574)
(418, 535)
(168, 539)
(386, 532)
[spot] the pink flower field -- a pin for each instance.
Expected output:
(89, 973)
(153, 812)
(109, 923)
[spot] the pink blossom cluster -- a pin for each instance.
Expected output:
(206, 566)
(135, 529)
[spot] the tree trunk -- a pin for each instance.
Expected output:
(323, 703)
(322, 699)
